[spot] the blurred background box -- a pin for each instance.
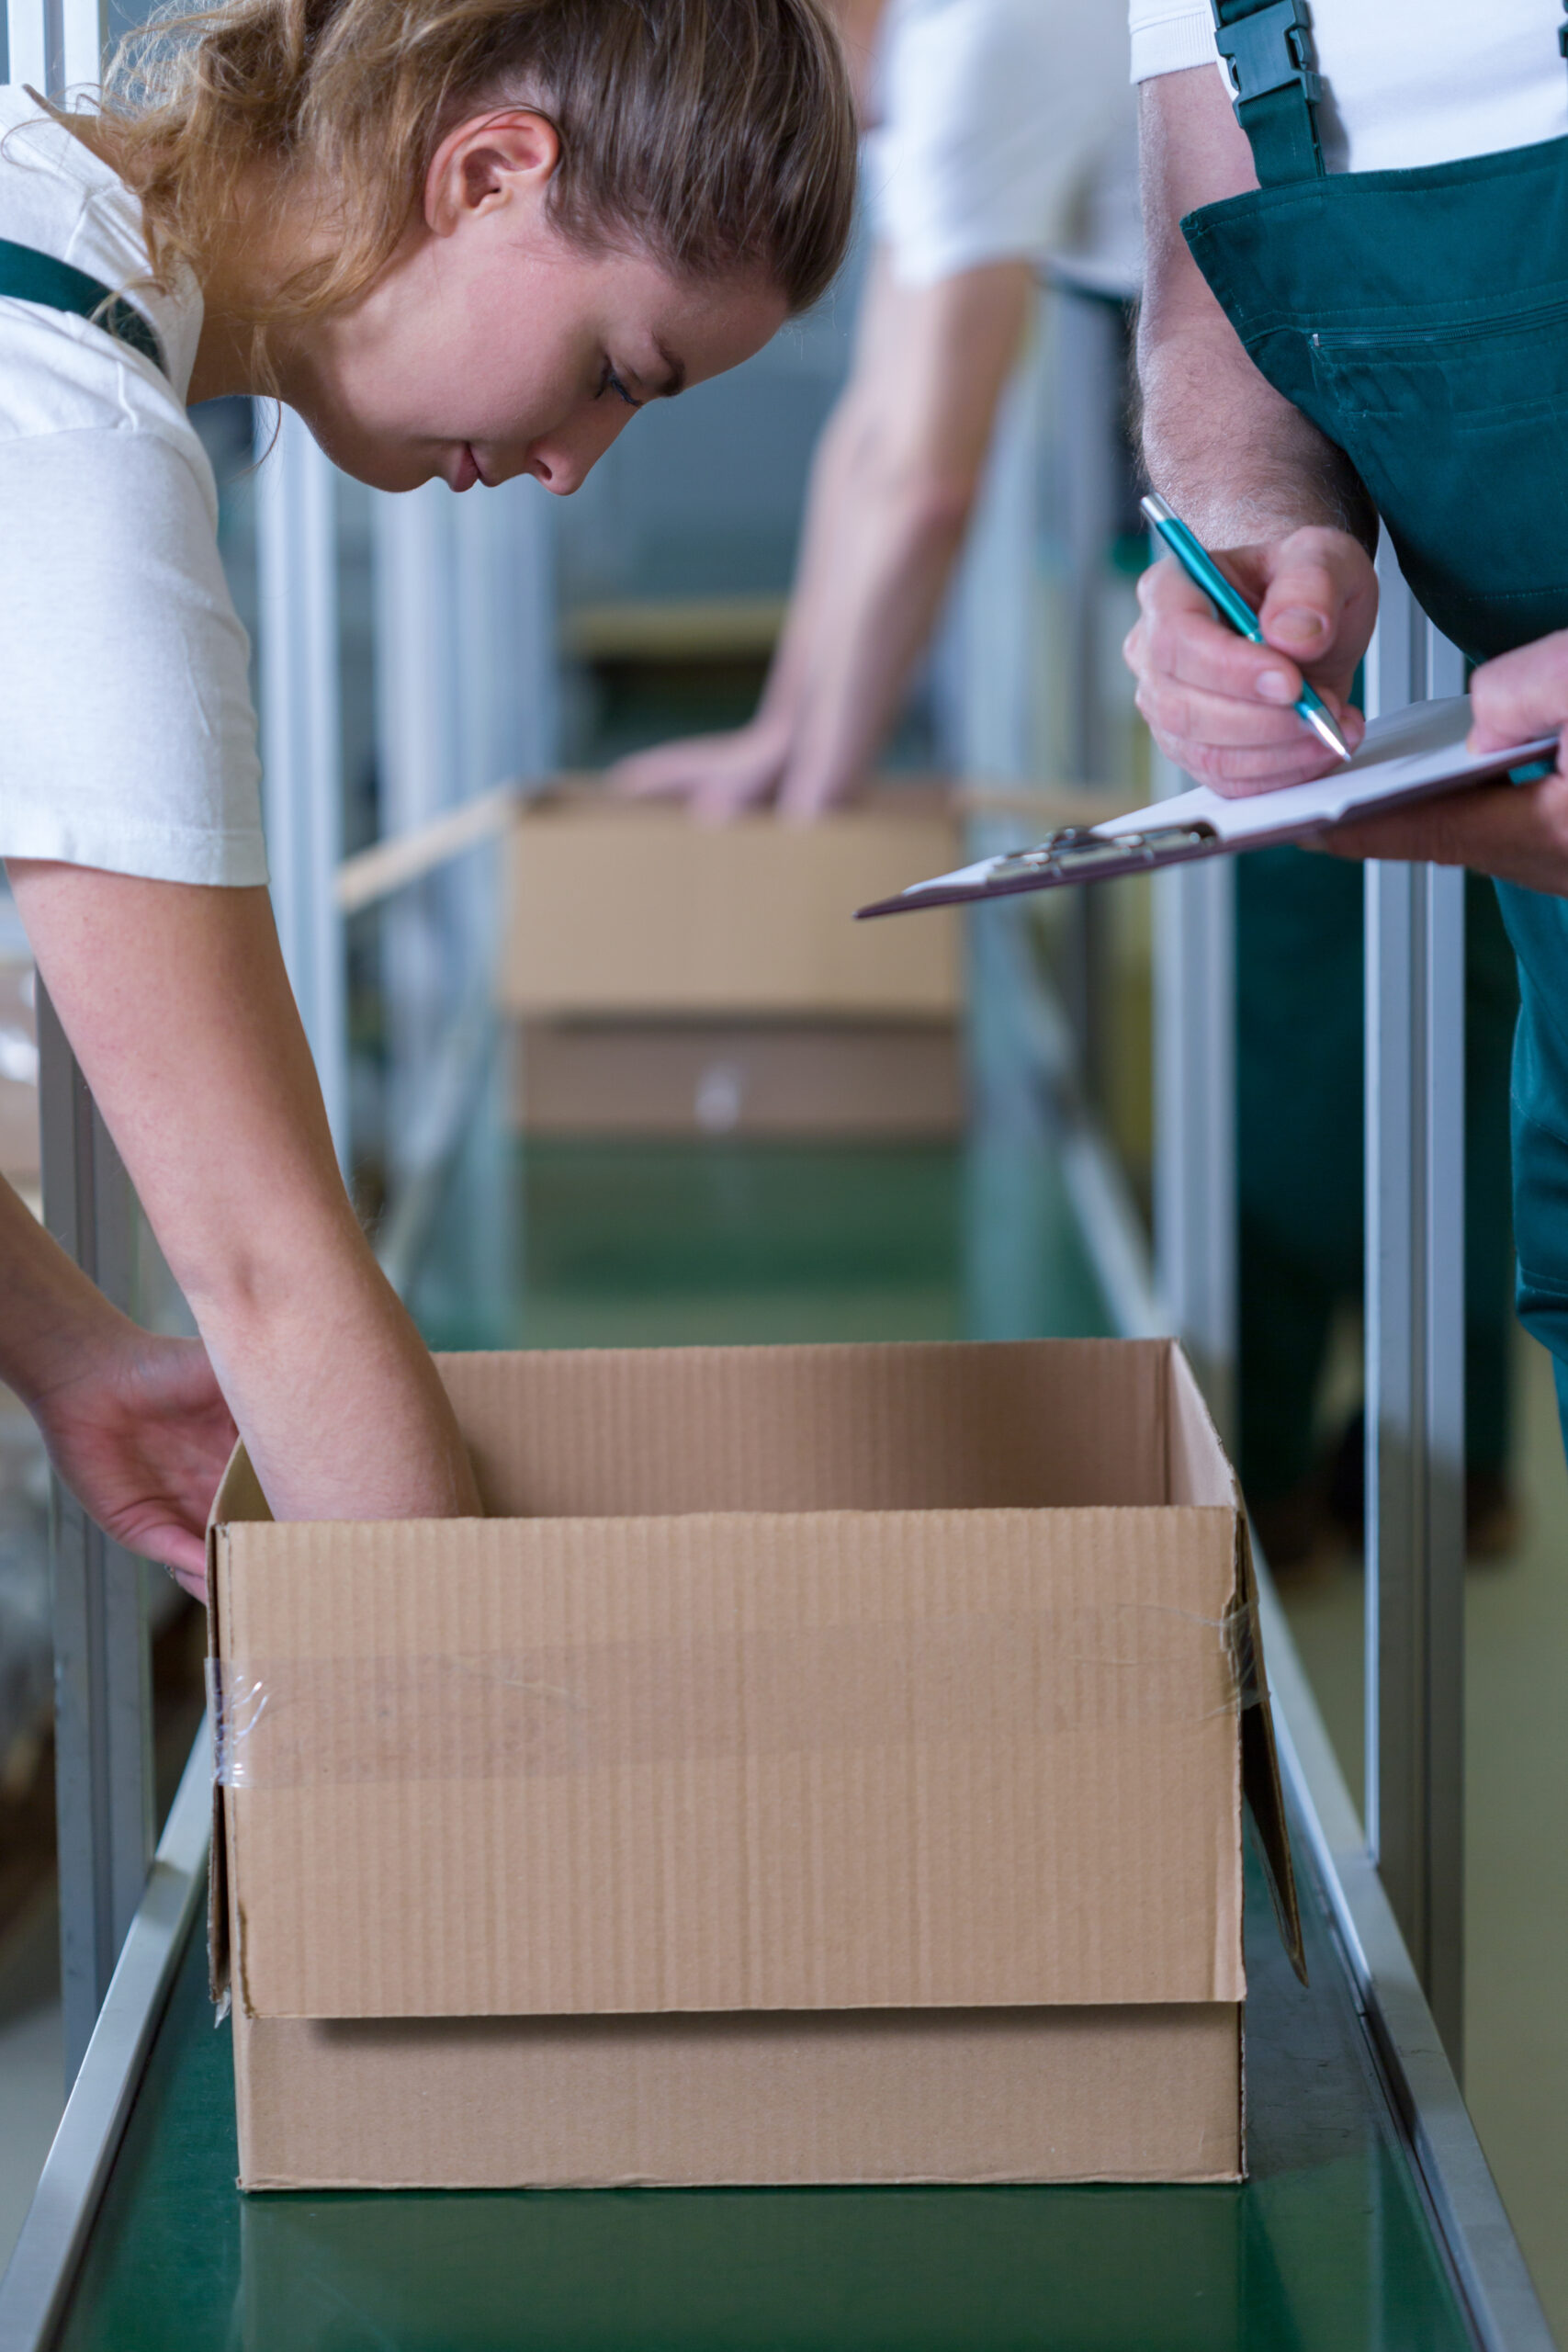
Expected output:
(668, 976)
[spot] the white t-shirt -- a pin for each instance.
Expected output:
(127, 736)
(1406, 82)
(992, 112)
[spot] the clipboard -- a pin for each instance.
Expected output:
(1411, 755)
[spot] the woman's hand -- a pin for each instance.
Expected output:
(140, 1433)
(1220, 707)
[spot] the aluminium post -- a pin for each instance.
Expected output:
(104, 1794)
(1092, 344)
(103, 1702)
(1415, 1360)
(301, 736)
(1195, 983)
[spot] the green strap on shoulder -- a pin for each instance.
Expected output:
(29, 276)
(1266, 46)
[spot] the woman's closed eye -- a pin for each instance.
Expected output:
(611, 382)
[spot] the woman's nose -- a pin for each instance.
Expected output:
(562, 460)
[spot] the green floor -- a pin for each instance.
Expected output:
(1327, 2245)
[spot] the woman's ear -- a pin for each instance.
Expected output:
(486, 161)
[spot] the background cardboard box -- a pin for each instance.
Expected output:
(744, 1078)
(668, 976)
(826, 1764)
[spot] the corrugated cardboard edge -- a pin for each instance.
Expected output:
(239, 1496)
(1260, 1779)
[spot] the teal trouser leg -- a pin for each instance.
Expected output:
(1299, 1121)
(1539, 928)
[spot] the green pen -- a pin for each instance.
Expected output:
(1200, 566)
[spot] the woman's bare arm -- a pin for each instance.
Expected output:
(177, 1005)
(136, 1425)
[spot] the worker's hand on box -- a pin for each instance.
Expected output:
(140, 1433)
(1221, 707)
(719, 776)
(1517, 832)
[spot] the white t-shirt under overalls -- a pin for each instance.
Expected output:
(1405, 82)
(127, 736)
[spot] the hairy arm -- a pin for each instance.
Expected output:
(891, 490)
(1229, 452)
(1258, 483)
(177, 1006)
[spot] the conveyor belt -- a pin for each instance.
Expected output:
(1330, 2243)
(1326, 2249)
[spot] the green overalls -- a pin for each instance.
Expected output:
(1420, 319)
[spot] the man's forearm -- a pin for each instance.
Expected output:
(1238, 462)
(1236, 459)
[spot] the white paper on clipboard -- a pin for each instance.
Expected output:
(1408, 756)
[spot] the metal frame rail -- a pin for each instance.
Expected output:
(1395, 1885)
(38, 2281)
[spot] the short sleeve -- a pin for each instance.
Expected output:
(127, 734)
(994, 112)
(1170, 36)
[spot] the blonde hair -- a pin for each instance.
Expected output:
(714, 134)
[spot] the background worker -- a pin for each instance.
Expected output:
(465, 238)
(1364, 319)
(983, 116)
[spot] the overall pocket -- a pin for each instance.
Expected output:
(1460, 433)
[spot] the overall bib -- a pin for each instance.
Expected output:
(1420, 319)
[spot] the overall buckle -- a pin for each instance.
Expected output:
(1269, 50)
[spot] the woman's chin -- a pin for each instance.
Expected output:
(380, 465)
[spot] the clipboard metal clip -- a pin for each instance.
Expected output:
(1073, 852)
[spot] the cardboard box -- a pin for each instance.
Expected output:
(825, 1764)
(670, 978)
(837, 1078)
(621, 908)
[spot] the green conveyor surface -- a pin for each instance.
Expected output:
(1326, 2249)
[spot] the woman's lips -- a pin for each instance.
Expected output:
(468, 471)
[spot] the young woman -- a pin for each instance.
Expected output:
(460, 237)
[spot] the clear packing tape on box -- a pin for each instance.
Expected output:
(287, 1721)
